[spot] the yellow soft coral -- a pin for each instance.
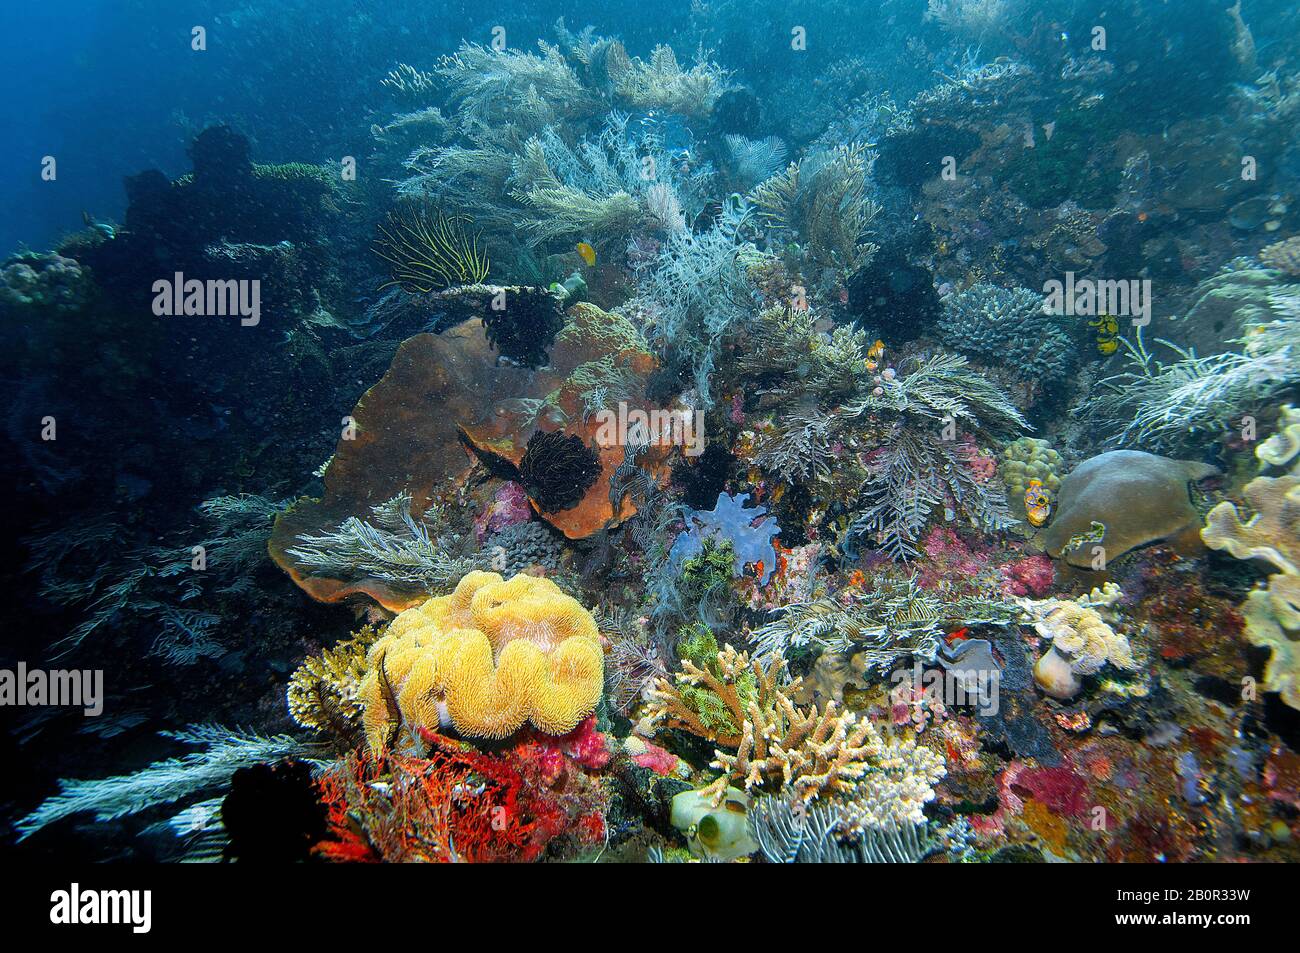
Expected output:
(488, 658)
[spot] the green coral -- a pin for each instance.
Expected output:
(712, 568)
(697, 645)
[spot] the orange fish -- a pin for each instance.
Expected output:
(958, 636)
(587, 252)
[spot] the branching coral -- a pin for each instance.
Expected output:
(429, 251)
(822, 201)
(808, 754)
(1273, 535)
(454, 806)
(1165, 404)
(662, 84)
(164, 782)
(506, 87)
(754, 160)
(1009, 326)
(488, 658)
(696, 290)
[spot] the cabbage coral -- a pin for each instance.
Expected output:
(486, 659)
(1273, 535)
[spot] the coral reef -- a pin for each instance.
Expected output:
(557, 470)
(429, 251)
(1082, 641)
(748, 531)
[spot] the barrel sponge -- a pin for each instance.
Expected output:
(488, 658)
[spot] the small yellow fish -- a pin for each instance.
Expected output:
(1038, 503)
(587, 252)
(1108, 346)
(876, 350)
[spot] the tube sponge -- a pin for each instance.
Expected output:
(486, 659)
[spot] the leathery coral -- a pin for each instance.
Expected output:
(1273, 535)
(806, 752)
(1082, 641)
(488, 658)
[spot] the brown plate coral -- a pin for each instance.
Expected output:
(1138, 497)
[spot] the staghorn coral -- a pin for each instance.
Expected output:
(429, 251)
(709, 699)
(1272, 534)
(488, 658)
(1009, 326)
(1082, 641)
(780, 747)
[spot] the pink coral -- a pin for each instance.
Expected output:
(982, 466)
(587, 745)
(508, 507)
(950, 558)
(1031, 576)
(657, 759)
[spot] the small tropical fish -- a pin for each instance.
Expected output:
(958, 636)
(1038, 503)
(876, 350)
(587, 252)
(103, 228)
